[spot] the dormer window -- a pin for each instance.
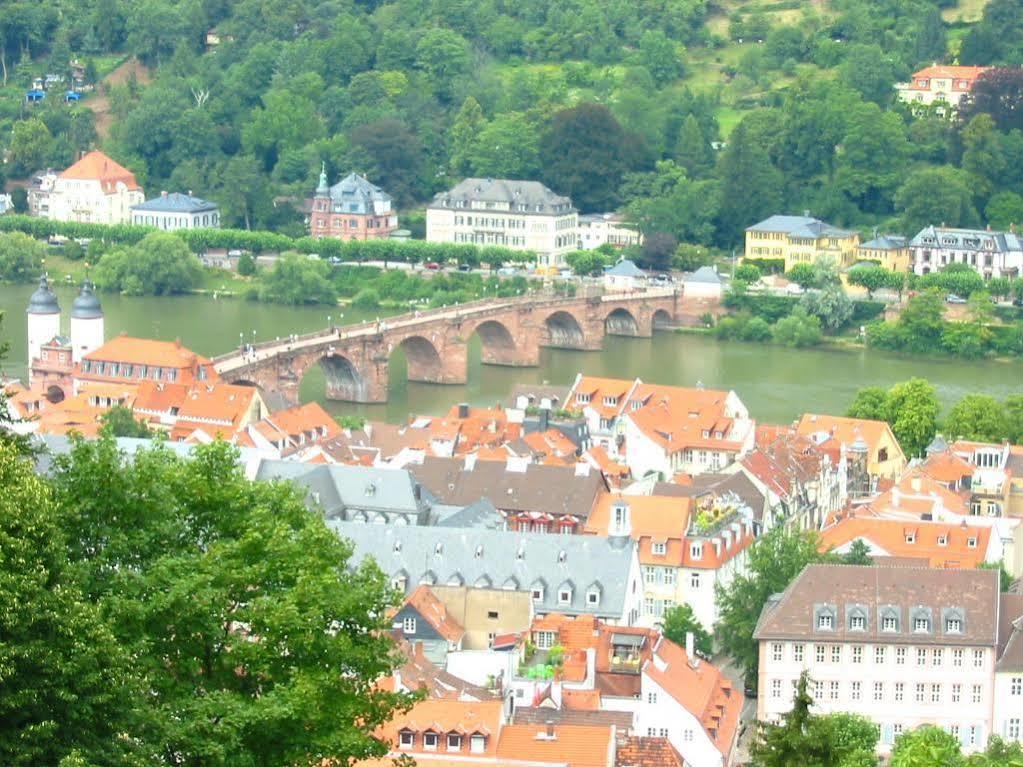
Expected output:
(921, 625)
(953, 626)
(454, 741)
(593, 597)
(564, 596)
(943, 540)
(971, 542)
(477, 744)
(825, 622)
(406, 739)
(408, 626)
(660, 548)
(910, 538)
(858, 623)
(889, 623)
(582, 399)
(696, 550)
(430, 740)
(536, 593)
(610, 401)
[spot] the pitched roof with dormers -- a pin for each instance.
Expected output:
(700, 688)
(677, 418)
(939, 543)
(830, 432)
(145, 353)
(590, 392)
(572, 745)
(903, 593)
(96, 166)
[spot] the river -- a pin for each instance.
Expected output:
(776, 383)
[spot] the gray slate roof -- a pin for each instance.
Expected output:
(532, 196)
(175, 202)
(625, 268)
(802, 227)
(905, 591)
(43, 300)
(355, 194)
(885, 242)
(86, 305)
(704, 274)
(1010, 633)
(504, 559)
(967, 239)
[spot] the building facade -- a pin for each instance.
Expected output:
(800, 240)
(989, 253)
(901, 646)
(95, 190)
(939, 86)
(520, 215)
(176, 211)
(596, 229)
(352, 209)
(891, 251)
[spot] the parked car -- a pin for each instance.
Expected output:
(464, 268)
(433, 266)
(662, 278)
(507, 271)
(952, 298)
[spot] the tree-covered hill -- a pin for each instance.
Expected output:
(699, 117)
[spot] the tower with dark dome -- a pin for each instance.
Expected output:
(43, 318)
(86, 322)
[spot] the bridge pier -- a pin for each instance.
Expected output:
(517, 357)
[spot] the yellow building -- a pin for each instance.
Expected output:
(890, 250)
(801, 240)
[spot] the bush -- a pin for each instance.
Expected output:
(747, 272)
(756, 329)
(766, 265)
(798, 330)
(246, 265)
(770, 308)
(367, 298)
(865, 311)
(160, 264)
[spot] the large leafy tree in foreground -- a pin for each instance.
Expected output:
(255, 641)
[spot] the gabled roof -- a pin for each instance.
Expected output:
(96, 166)
(646, 751)
(842, 430)
(147, 351)
(433, 611)
(572, 745)
(886, 242)
(534, 195)
(802, 227)
(949, 71)
(658, 516)
(687, 418)
(705, 274)
(625, 268)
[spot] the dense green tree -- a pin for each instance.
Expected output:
(444, 56)
(160, 264)
(1004, 209)
(120, 421)
(922, 322)
(660, 56)
(751, 187)
(977, 417)
(254, 640)
(29, 147)
(584, 155)
(297, 280)
(931, 42)
(286, 120)
(997, 92)
(869, 403)
(21, 257)
(775, 559)
(875, 278)
(154, 28)
(926, 746)
(830, 305)
(802, 274)
(872, 134)
(464, 134)
(586, 262)
(870, 71)
(911, 408)
(693, 151)
(835, 740)
(396, 157)
(932, 196)
(243, 192)
(800, 329)
(67, 687)
(507, 147)
(681, 620)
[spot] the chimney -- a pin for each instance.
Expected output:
(544, 416)
(463, 410)
(690, 644)
(163, 192)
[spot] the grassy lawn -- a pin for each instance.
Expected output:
(221, 280)
(59, 267)
(965, 10)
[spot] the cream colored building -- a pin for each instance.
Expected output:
(520, 215)
(95, 190)
(901, 646)
(486, 613)
(800, 240)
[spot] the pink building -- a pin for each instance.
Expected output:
(352, 209)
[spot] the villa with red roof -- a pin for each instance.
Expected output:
(939, 84)
(95, 190)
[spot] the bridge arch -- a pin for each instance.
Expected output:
(563, 329)
(662, 320)
(424, 361)
(344, 380)
(621, 322)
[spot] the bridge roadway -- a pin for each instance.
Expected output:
(512, 331)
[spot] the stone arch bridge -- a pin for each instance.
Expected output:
(435, 342)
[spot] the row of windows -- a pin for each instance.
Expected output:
(489, 238)
(857, 654)
(492, 223)
(657, 607)
(431, 740)
(177, 222)
(880, 692)
(125, 370)
(663, 732)
(890, 618)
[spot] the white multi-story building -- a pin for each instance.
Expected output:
(521, 215)
(944, 86)
(901, 646)
(596, 229)
(95, 190)
(990, 254)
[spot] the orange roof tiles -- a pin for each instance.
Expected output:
(647, 752)
(574, 745)
(913, 538)
(441, 715)
(954, 73)
(658, 516)
(946, 467)
(701, 688)
(916, 493)
(126, 350)
(433, 611)
(580, 700)
(96, 166)
(687, 418)
(306, 419)
(842, 429)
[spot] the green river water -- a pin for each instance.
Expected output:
(776, 383)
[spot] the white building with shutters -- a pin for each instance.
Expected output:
(901, 646)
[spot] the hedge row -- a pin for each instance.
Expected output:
(201, 240)
(767, 265)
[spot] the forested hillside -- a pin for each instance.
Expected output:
(698, 117)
